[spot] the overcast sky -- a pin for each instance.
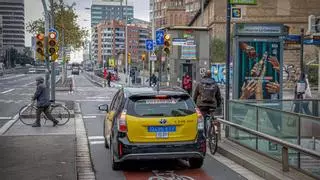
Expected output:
(34, 10)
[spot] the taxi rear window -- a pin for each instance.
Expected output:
(168, 106)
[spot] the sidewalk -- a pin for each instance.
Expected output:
(45, 152)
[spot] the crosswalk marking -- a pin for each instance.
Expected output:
(96, 140)
(7, 91)
(89, 117)
(5, 118)
(95, 137)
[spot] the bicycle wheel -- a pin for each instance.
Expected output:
(60, 113)
(27, 114)
(213, 140)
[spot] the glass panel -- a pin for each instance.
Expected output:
(278, 124)
(310, 139)
(244, 115)
(310, 164)
(243, 138)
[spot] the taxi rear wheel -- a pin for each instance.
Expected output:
(195, 163)
(115, 165)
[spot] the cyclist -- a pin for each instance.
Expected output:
(43, 103)
(207, 94)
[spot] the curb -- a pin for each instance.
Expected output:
(84, 167)
(8, 125)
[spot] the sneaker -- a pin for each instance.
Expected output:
(55, 123)
(36, 125)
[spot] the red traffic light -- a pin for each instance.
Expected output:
(40, 37)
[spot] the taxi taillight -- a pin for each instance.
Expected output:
(200, 119)
(122, 123)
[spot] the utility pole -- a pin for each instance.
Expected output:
(319, 70)
(127, 70)
(301, 53)
(46, 26)
(153, 34)
(53, 72)
(228, 49)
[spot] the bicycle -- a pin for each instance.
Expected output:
(212, 131)
(168, 175)
(61, 113)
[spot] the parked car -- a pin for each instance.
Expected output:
(144, 124)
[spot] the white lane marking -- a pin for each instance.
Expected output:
(95, 137)
(101, 114)
(7, 125)
(7, 91)
(28, 84)
(92, 100)
(98, 97)
(5, 118)
(89, 117)
(11, 77)
(96, 142)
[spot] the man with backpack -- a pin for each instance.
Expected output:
(207, 94)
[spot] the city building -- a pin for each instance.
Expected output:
(102, 10)
(192, 7)
(1, 41)
(12, 12)
(108, 40)
(168, 13)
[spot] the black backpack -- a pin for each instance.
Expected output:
(207, 92)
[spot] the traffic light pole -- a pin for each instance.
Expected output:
(53, 72)
(46, 32)
(228, 49)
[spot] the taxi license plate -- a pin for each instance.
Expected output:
(162, 135)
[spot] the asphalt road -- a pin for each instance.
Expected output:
(15, 91)
(90, 96)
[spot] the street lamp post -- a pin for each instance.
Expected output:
(126, 24)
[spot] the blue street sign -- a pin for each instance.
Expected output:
(54, 30)
(149, 45)
(159, 37)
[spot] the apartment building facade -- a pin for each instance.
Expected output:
(108, 40)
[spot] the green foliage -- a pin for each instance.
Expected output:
(218, 50)
(64, 18)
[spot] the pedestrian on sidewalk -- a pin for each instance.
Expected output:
(43, 103)
(109, 79)
(187, 83)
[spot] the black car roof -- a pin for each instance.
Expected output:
(148, 91)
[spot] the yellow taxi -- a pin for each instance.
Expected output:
(147, 123)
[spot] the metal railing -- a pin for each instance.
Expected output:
(285, 145)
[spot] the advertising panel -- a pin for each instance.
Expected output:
(259, 70)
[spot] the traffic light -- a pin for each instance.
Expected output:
(143, 56)
(52, 45)
(40, 46)
(129, 58)
(167, 43)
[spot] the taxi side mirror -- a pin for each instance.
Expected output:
(104, 107)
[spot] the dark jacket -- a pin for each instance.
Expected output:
(217, 102)
(42, 96)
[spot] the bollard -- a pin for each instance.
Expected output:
(285, 159)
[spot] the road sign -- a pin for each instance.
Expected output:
(149, 45)
(236, 13)
(243, 2)
(153, 57)
(159, 37)
(54, 30)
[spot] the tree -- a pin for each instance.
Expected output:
(64, 18)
